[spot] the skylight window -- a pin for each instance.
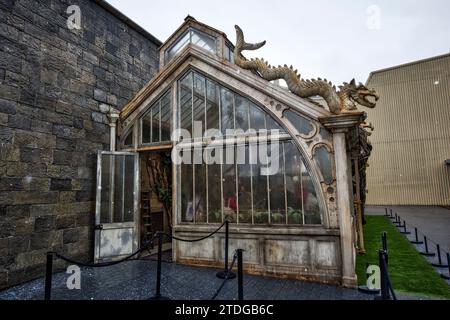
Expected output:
(193, 36)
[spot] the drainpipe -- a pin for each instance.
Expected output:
(113, 116)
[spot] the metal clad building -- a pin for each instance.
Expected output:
(411, 140)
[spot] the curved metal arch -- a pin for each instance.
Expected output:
(261, 100)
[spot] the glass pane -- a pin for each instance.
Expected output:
(293, 171)
(187, 209)
(226, 53)
(166, 113)
(271, 124)
(260, 202)
(241, 106)
(178, 46)
(323, 159)
(155, 122)
(185, 97)
(257, 118)
(204, 41)
(244, 186)
(200, 192)
(119, 188)
(145, 128)
(199, 103)
(128, 139)
(212, 106)
(214, 186)
(276, 185)
(300, 123)
(310, 201)
(227, 112)
(129, 189)
(229, 185)
(105, 199)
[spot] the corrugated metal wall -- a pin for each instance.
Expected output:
(412, 135)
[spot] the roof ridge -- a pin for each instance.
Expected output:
(407, 64)
(129, 22)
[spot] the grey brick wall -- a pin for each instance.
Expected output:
(55, 87)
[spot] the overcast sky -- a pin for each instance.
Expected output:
(337, 40)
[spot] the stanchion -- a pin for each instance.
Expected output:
(384, 244)
(427, 253)
(240, 275)
(158, 295)
(439, 264)
(48, 276)
(226, 273)
(397, 220)
(391, 216)
(384, 280)
(404, 229)
(444, 276)
(417, 238)
(386, 212)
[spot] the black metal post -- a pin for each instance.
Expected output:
(391, 216)
(240, 275)
(48, 276)
(223, 274)
(417, 238)
(427, 253)
(439, 264)
(447, 277)
(384, 281)
(384, 243)
(404, 228)
(158, 295)
(386, 212)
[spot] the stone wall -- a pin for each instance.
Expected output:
(56, 86)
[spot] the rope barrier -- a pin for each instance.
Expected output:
(102, 264)
(193, 240)
(228, 274)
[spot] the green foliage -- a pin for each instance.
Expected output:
(295, 216)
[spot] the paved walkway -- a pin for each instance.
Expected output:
(434, 222)
(136, 280)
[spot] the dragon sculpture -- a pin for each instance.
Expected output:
(344, 100)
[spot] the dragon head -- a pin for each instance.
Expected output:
(353, 93)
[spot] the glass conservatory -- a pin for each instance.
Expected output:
(211, 141)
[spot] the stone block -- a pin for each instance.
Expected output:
(8, 106)
(44, 223)
(89, 57)
(10, 183)
(18, 244)
(60, 184)
(71, 236)
(19, 122)
(65, 222)
(18, 211)
(99, 95)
